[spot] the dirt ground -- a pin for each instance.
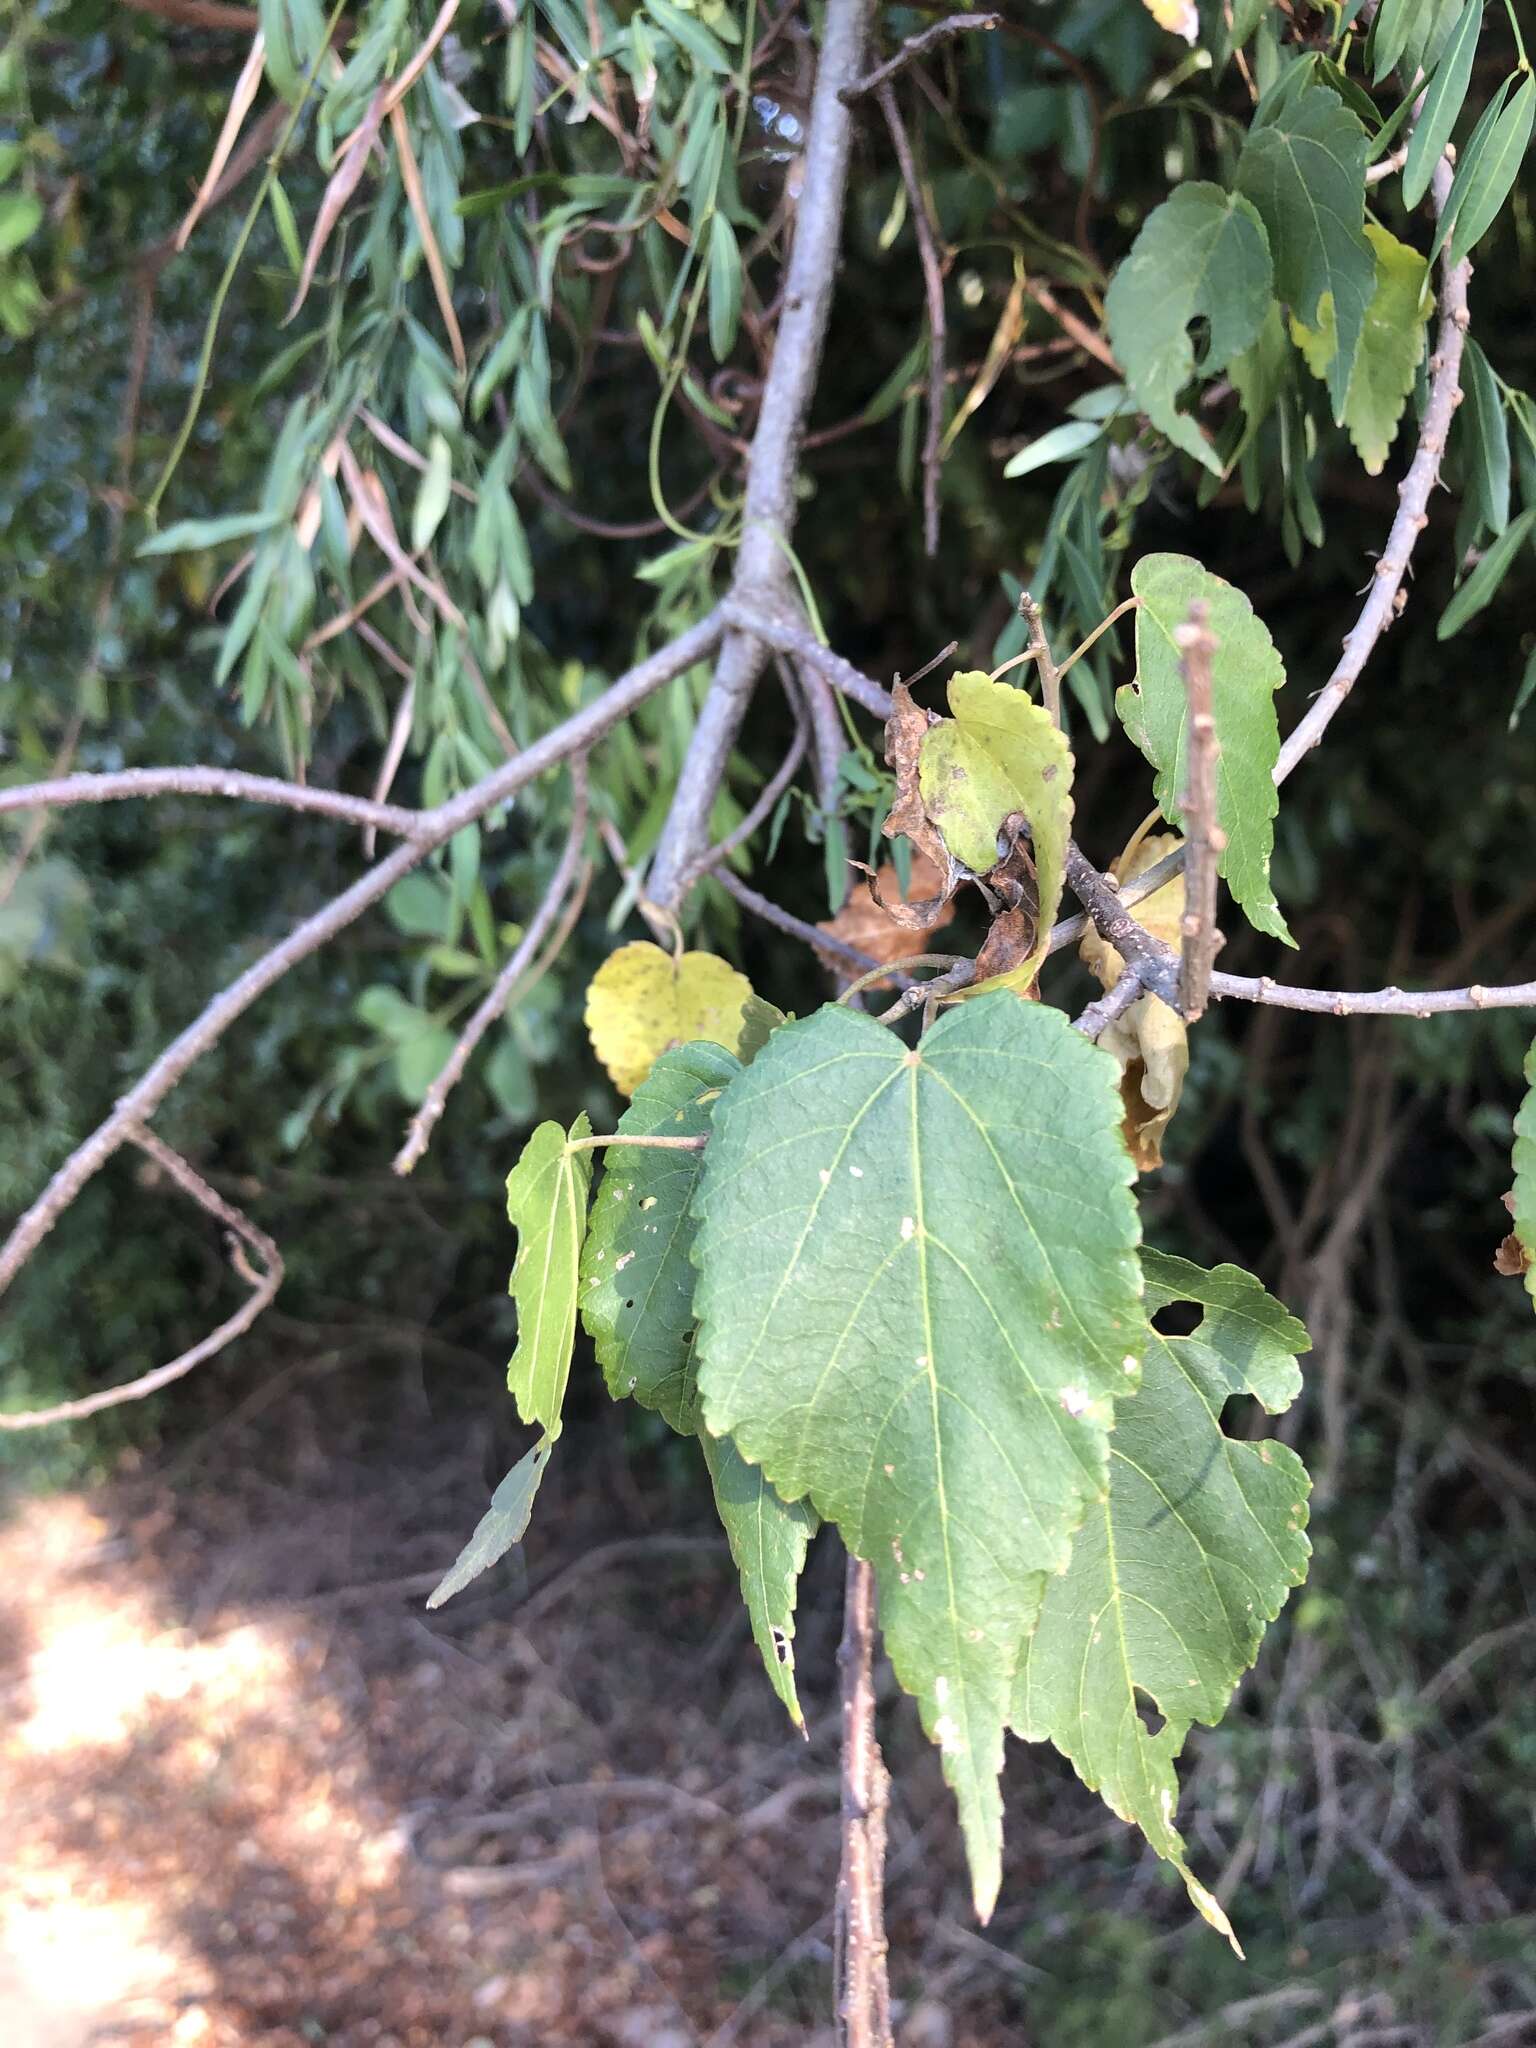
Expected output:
(253, 1796)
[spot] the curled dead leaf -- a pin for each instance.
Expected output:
(882, 922)
(1150, 1040)
(1512, 1260)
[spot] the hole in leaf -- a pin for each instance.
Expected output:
(629, 1304)
(1147, 1714)
(1243, 1418)
(1178, 1318)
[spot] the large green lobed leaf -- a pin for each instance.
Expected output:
(547, 1201)
(1204, 251)
(1246, 671)
(1303, 168)
(918, 1301)
(637, 1282)
(1175, 1575)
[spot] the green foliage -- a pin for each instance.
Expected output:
(949, 1411)
(504, 1523)
(1303, 169)
(547, 1205)
(1203, 252)
(1391, 347)
(1175, 1574)
(1246, 671)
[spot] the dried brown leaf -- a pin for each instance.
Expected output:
(343, 183)
(879, 919)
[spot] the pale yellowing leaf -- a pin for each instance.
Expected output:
(642, 1000)
(1179, 17)
(1150, 1041)
(1391, 347)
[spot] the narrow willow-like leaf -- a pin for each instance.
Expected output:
(1492, 179)
(1484, 438)
(1524, 1203)
(1482, 586)
(1204, 251)
(1001, 753)
(1246, 670)
(637, 1284)
(504, 1523)
(918, 1299)
(1173, 1577)
(1304, 170)
(1442, 103)
(547, 1201)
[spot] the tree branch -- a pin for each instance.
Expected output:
(1157, 964)
(1382, 605)
(786, 629)
(762, 564)
(575, 736)
(67, 791)
(918, 46)
(566, 881)
(797, 928)
(933, 292)
(263, 1288)
(1381, 1002)
(863, 1994)
(1112, 1005)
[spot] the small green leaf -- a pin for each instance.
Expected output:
(287, 227)
(1246, 670)
(1482, 586)
(1061, 444)
(295, 35)
(1484, 436)
(1391, 347)
(1304, 170)
(688, 34)
(1523, 1201)
(1000, 753)
(1442, 104)
(1491, 179)
(207, 533)
(21, 215)
(759, 1021)
(637, 1283)
(1204, 251)
(547, 1204)
(918, 1302)
(420, 907)
(1175, 1574)
(504, 1523)
(432, 497)
(420, 1059)
(724, 286)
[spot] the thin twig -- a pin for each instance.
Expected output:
(760, 811)
(1382, 605)
(863, 1993)
(1158, 964)
(1204, 838)
(576, 735)
(1039, 651)
(494, 1003)
(1381, 1002)
(797, 928)
(1097, 1018)
(789, 632)
(918, 46)
(70, 790)
(933, 292)
(263, 1286)
(762, 570)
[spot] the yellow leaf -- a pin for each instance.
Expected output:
(642, 1000)
(1150, 1040)
(1179, 17)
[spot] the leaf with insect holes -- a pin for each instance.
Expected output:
(1303, 169)
(504, 1523)
(547, 1202)
(1176, 1572)
(918, 1301)
(1246, 671)
(642, 1000)
(1202, 252)
(999, 756)
(637, 1283)
(1391, 347)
